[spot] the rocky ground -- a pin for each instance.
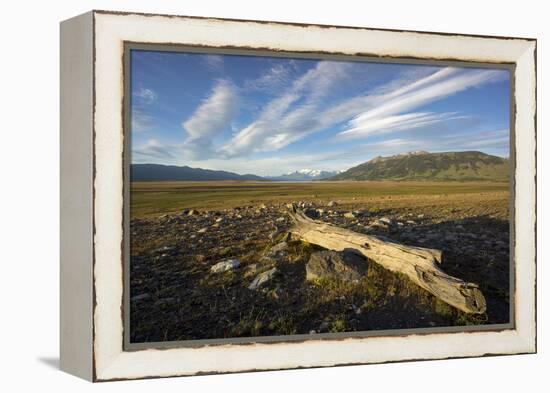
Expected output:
(230, 273)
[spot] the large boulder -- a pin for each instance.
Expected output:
(342, 265)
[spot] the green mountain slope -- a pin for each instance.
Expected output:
(421, 165)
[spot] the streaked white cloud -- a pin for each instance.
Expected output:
(153, 150)
(292, 115)
(141, 121)
(490, 141)
(214, 62)
(210, 119)
(390, 111)
(147, 96)
(272, 79)
(303, 108)
(392, 123)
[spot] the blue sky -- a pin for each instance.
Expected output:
(269, 116)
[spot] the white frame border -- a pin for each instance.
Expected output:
(111, 30)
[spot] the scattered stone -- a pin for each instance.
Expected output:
(450, 237)
(202, 230)
(280, 219)
(223, 266)
(420, 216)
(332, 204)
(349, 215)
(343, 265)
(166, 300)
(311, 213)
(143, 296)
(313, 332)
(386, 220)
(219, 219)
(411, 222)
(323, 327)
(263, 278)
(192, 212)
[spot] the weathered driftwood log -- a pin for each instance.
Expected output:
(419, 264)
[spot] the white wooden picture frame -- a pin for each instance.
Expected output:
(92, 194)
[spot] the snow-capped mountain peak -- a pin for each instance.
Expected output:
(308, 172)
(305, 174)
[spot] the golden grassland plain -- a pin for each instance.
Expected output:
(150, 199)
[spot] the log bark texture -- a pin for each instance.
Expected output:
(417, 263)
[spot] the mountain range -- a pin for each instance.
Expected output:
(418, 165)
(157, 172)
(421, 165)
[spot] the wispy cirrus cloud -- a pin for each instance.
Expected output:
(156, 150)
(274, 78)
(211, 118)
(140, 120)
(391, 111)
(303, 108)
(493, 141)
(147, 96)
(214, 62)
(292, 115)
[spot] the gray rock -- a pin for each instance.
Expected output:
(223, 266)
(143, 296)
(202, 230)
(349, 215)
(311, 213)
(386, 220)
(263, 278)
(362, 213)
(332, 204)
(380, 225)
(450, 237)
(192, 212)
(346, 265)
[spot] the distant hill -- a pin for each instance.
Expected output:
(156, 172)
(304, 175)
(421, 165)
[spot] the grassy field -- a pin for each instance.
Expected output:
(149, 199)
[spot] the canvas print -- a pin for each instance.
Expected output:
(298, 197)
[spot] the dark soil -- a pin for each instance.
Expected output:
(175, 296)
